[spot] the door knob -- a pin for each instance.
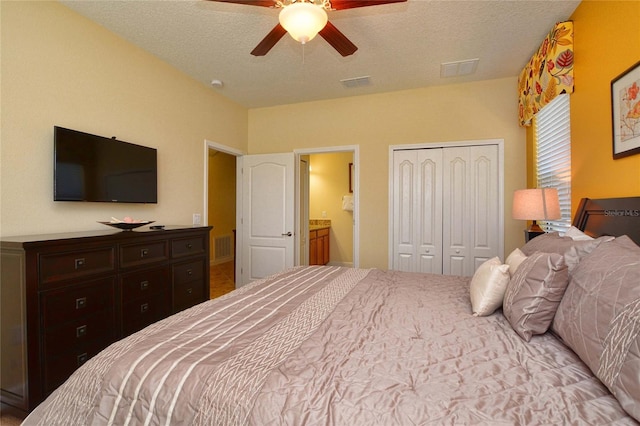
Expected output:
(288, 234)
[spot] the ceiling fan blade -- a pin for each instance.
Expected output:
(269, 41)
(338, 40)
(264, 3)
(350, 4)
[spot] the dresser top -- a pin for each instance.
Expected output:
(107, 234)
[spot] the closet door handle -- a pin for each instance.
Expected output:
(288, 234)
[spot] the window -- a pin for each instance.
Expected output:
(552, 133)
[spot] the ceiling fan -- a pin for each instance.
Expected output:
(303, 19)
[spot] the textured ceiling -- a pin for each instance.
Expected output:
(400, 46)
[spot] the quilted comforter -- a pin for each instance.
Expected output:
(334, 346)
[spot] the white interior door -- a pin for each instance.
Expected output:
(470, 201)
(418, 210)
(267, 215)
(303, 205)
(446, 215)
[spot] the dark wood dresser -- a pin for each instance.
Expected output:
(65, 297)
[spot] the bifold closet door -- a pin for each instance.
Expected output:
(470, 208)
(445, 209)
(417, 245)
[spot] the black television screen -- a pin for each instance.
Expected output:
(95, 168)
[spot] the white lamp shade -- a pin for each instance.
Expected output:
(303, 21)
(536, 204)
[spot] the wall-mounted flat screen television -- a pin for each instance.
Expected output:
(96, 168)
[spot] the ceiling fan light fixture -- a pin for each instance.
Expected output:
(303, 20)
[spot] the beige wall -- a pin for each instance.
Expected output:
(328, 183)
(483, 110)
(59, 68)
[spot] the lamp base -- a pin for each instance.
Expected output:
(529, 234)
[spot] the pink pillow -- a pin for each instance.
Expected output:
(599, 318)
(534, 293)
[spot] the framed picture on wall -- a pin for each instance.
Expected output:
(625, 112)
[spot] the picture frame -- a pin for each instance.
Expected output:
(625, 112)
(351, 172)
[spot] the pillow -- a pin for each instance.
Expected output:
(514, 260)
(577, 235)
(488, 286)
(534, 293)
(599, 318)
(572, 250)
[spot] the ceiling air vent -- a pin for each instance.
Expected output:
(458, 68)
(350, 83)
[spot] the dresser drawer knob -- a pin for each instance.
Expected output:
(144, 285)
(144, 252)
(81, 331)
(189, 290)
(144, 308)
(189, 272)
(81, 303)
(189, 246)
(79, 263)
(82, 358)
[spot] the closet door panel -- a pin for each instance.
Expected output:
(485, 203)
(457, 211)
(429, 196)
(445, 211)
(404, 231)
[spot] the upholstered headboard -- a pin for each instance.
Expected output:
(609, 216)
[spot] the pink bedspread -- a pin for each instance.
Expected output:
(334, 346)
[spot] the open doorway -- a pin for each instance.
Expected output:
(220, 212)
(327, 207)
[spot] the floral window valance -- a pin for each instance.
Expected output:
(548, 73)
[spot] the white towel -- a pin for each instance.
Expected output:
(347, 203)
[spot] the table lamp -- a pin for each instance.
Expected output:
(536, 204)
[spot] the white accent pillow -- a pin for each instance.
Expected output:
(576, 234)
(514, 260)
(488, 286)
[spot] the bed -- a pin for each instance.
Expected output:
(326, 345)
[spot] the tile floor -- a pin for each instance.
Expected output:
(221, 279)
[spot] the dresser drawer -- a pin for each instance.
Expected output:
(62, 266)
(181, 247)
(76, 302)
(100, 325)
(58, 368)
(186, 272)
(145, 283)
(142, 254)
(144, 311)
(187, 294)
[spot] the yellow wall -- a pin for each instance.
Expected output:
(59, 68)
(328, 183)
(606, 42)
(483, 110)
(222, 195)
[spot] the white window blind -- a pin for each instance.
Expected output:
(553, 152)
